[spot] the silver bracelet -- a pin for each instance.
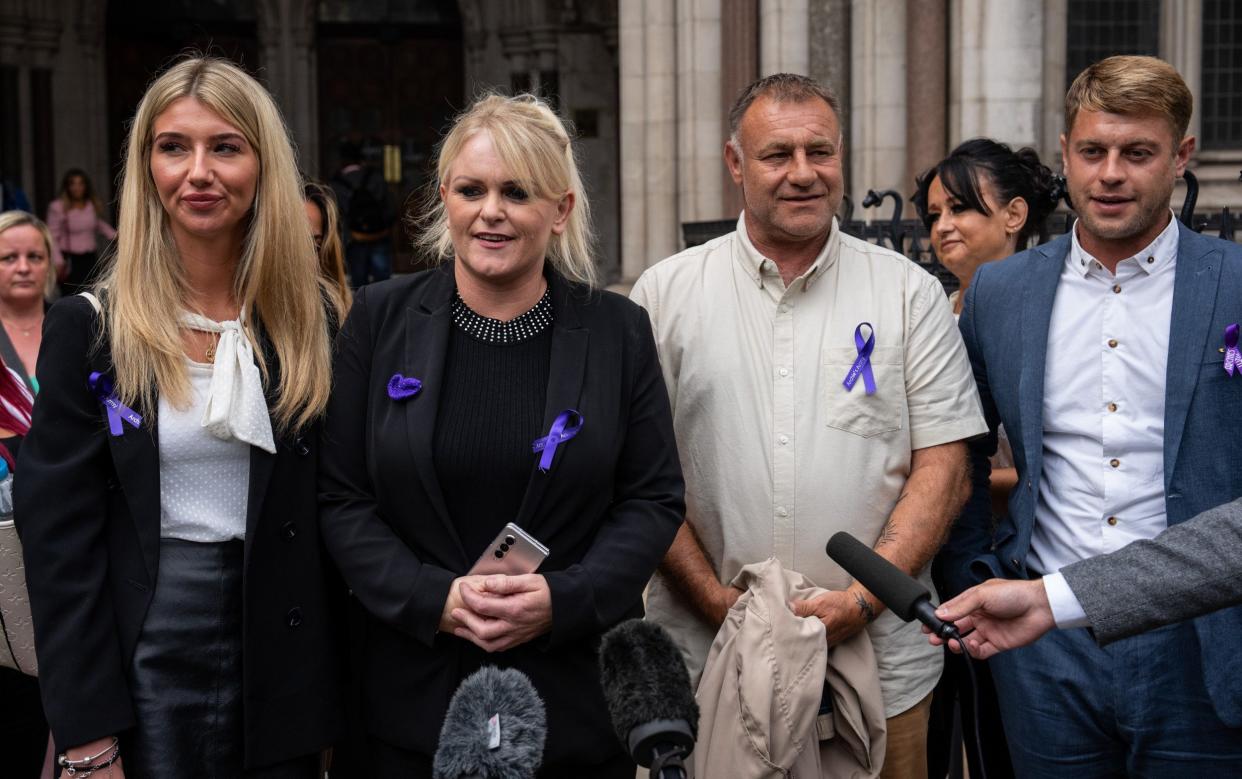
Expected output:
(63, 760)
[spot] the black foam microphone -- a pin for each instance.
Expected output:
(903, 596)
(494, 728)
(649, 698)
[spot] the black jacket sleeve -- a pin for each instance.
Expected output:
(61, 510)
(383, 572)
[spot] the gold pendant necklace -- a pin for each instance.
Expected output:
(211, 347)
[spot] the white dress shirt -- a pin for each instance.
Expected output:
(1102, 484)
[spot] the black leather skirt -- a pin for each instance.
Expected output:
(186, 678)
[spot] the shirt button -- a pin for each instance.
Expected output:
(783, 308)
(1116, 288)
(289, 530)
(1150, 260)
(1112, 520)
(1112, 406)
(781, 512)
(783, 371)
(1115, 462)
(1112, 343)
(783, 439)
(294, 618)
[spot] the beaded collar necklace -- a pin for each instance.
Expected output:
(493, 331)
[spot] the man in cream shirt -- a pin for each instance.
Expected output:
(758, 331)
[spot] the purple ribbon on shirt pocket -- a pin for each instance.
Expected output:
(862, 363)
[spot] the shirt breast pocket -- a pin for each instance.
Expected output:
(854, 411)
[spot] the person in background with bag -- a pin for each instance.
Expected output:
(369, 215)
(23, 729)
(28, 269)
(167, 495)
(76, 218)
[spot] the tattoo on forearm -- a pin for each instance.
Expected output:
(864, 607)
(887, 535)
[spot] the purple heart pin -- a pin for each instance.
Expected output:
(403, 387)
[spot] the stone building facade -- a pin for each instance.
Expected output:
(647, 83)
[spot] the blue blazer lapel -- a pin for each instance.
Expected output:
(426, 344)
(1040, 293)
(1194, 305)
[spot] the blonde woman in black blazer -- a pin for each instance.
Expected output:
(166, 498)
(443, 381)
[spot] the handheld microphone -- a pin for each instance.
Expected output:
(647, 689)
(903, 596)
(494, 728)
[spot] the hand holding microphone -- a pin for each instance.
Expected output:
(1002, 614)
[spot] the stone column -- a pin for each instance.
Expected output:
(1056, 43)
(996, 87)
(830, 51)
(700, 133)
(739, 66)
(633, 67)
(89, 138)
(784, 37)
(660, 158)
(286, 31)
(878, 95)
(1181, 45)
(926, 82)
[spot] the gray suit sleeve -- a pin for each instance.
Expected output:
(1188, 570)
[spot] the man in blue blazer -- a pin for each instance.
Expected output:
(1104, 353)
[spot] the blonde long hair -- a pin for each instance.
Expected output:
(534, 145)
(276, 282)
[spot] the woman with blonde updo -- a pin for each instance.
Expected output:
(167, 491)
(448, 385)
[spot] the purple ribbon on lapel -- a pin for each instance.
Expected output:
(101, 385)
(561, 431)
(862, 363)
(1233, 358)
(402, 387)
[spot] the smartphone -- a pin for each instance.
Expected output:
(513, 552)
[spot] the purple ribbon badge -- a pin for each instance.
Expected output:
(101, 385)
(402, 387)
(862, 363)
(566, 426)
(1233, 358)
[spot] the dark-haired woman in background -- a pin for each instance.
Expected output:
(76, 218)
(980, 204)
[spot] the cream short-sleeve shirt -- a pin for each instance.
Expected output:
(777, 454)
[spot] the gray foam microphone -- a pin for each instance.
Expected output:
(470, 746)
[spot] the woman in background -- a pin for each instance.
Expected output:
(324, 219)
(980, 204)
(27, 282)
(75, 218)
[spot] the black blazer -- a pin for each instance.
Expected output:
(88, 511)
(608, 507)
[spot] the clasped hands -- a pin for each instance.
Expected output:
(498, 612)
